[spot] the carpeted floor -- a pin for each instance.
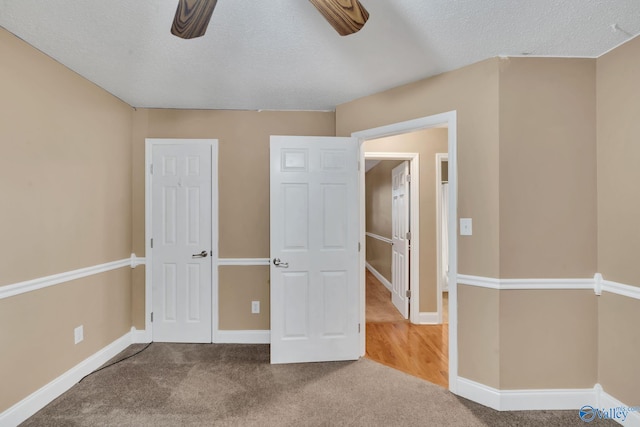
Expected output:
(234, 385)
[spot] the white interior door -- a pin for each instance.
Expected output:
(399, 234)
(314, 249)
(181, 185)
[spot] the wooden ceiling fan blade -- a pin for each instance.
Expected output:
(346, 16)
(192, 18)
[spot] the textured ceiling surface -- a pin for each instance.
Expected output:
(282, 54)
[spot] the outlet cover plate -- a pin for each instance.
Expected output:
(466, 228)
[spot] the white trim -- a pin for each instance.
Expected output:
(522, 284)
(148, 231)
(621, 289)
(136, 261)
(520, 400)
(244, 261)
(414, 221)
(440, 157)
(56, 279)
(140, 336)
(379, 276)
(479, 393)
(244, 337)
(378, 237)
(450, 120)
(479, 281)
(597, 284)
(606, 401)
(46, 394)
(430, 317)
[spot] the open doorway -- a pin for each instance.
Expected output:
(419, 345)
(425, 308)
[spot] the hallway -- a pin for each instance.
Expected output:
(419, 350)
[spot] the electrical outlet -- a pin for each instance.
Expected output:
(78, 334)
(255, 307)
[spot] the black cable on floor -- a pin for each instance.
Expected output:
(117, 361)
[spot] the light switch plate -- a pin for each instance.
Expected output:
(466, 228)
(255, 307)
(78, 334)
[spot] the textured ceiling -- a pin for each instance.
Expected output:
(281, 54)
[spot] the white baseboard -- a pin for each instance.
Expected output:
(521, 400)
(546, 399)
(243, 337)
(140, 336)
(606, 401)
(379, 276)
(46, 394)
(479, 393)
(428, 318)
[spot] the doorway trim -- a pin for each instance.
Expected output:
(440, 157)
(414, 224)
(450, 120)
(148, 155)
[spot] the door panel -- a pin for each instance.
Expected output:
(181, 228)
(399, 230)
(314, 238)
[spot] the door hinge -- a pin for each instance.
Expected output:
(151, 168)
(408, 235)
(152, 317)
(358, 327)
(358, 246)
(152, 243)
(408, 293)
(408, 178)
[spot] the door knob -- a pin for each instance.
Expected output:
(278, 263)
(202, 254)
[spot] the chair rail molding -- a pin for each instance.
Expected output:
(14, 289)
(597, 284)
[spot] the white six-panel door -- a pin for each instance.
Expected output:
(399, 230)
(181, 187)
(314, 249)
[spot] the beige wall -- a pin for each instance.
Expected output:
(618, 164)
(618, 133)
(548, 339)
(238, 287)
(547, 168)
(65, 177)
(243, 174)
(522, 125)
(547, 221)
(473, 92)
(378, 189)
(619, 347)
(478, 335)
(426, 143)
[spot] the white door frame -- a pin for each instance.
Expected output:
(414, 223)
(450, 120)
(148, 151)
(440, 157)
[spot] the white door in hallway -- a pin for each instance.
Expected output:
(314, 249)
(181, 189)
(399, 235)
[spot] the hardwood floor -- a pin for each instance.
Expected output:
(419, 350)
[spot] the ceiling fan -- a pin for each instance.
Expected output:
(192, 16)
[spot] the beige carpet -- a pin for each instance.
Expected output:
(234, 385)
